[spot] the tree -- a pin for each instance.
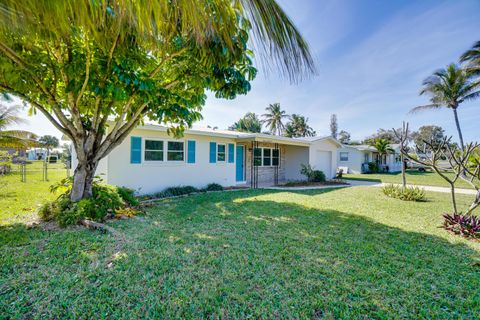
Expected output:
(344, 137)
(17, 139)
(249, 123)
(273, 119)
(385, 134)
(49, 142)
(472, 58)
(449, 88)
(382, 146)
(81, 63)
(431, 133)
(298, 127)
(333, 126)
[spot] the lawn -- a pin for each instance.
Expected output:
(335, 253)
(413, 177)
(18, 199)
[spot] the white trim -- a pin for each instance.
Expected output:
(340, 156)
(224, 152)
(262, 156)
(164, 161)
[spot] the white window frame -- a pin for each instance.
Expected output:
(262, 157)
(165, 151)
(224, 152)
(340, 156)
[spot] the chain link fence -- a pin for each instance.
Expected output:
(32, 171)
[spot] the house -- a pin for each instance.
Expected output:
(41, 153)
(355, 159)
(150, 160)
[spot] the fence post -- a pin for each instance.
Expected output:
(23, 172)
(45, 171)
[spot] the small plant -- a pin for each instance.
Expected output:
(372, 167)
(312, 174)
(407, 194)
(465, 225)
(128, 195)
(214, 187)
(176, 191)
(5, 162)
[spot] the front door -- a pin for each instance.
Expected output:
(240, 163)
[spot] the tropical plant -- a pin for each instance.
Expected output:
(81, 63)
(465, 225)
(274, 117)
(408, 193)
(249, 123)
(333, 126)
(312, 175)
(382, 146)
(49, 142)
(16, 139)
(472, 59)
(449, 88)
(298, 127)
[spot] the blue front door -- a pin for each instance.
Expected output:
(239, 163)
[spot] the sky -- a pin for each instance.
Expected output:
(371, 55)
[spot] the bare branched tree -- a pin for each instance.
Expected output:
(403, 137)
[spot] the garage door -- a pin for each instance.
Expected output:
(324, 162)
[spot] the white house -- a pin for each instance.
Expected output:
(355, 159)
(150, 160)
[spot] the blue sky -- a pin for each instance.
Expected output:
(372, 56)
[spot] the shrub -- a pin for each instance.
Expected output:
(105, 201)
(128, 195)
(312, 174)
(214, 187)
(372, 167)
(407, 194)
(467, 226)
(176, 191)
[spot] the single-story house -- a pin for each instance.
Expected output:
(355, 159)
(41, 153)
(150, 160)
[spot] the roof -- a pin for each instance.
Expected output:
(243, 136)
(367, 147)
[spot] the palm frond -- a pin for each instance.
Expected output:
(424, 108)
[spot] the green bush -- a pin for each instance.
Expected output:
(214, 187)
(312, 174)
(104, 202)
(176, 191)
(407, 194)
(128, 195)
(372, 167)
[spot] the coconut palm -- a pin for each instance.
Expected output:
(13, 138)
(298, 127)
(449, 88)
(472, 58)
(274, 117)
(382, 146)
(249, 123)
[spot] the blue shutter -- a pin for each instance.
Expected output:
(191, 151)
(135, 150)
(213, 152)
(231, 153)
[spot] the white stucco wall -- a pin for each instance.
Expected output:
(355, 159)
(150, 177)
(323, 156)
(294, 157)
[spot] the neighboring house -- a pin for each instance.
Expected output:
(41, 153)
(150, 160)
(355, 159)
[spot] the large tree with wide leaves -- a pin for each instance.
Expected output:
(274, 118)
(96, 69)
(449, 88)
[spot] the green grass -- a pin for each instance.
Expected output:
(18, 199)
(413, 177)
(349, 253)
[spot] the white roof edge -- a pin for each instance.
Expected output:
(328, 138)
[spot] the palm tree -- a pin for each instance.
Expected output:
(273, 119)
(16, 139)
(449, 88)
(383, 147)
(472, 58)
(249, 123)
(298, 127)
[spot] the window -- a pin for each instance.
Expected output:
(257, 157)
(175, 151)
(153, 150)
(343, 156)
(367, 159)
(221, 152)
(266, 157)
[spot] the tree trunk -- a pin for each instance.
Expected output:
(83, 181)
(454, 201)
(457, 123)
(404, 178)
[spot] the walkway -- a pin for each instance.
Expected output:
(362, 183)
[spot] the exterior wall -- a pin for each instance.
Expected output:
(265, 174)
(323, 156)
(295, 156)
(355, 159)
